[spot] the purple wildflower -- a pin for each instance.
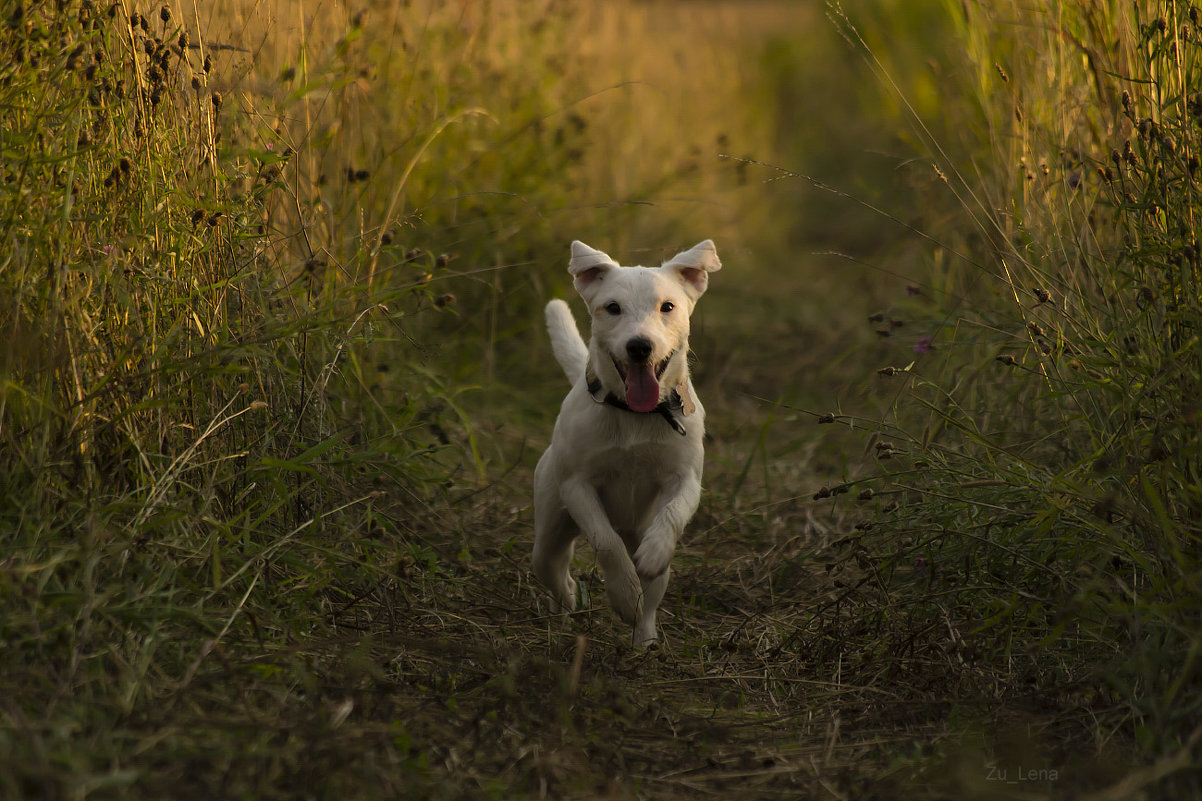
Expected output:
(924, 345)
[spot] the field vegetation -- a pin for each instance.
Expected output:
(273, 381)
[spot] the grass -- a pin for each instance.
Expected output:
(273, 385)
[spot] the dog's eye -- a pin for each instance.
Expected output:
(613, 308)
(667, 306)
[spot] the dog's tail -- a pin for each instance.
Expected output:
(570, 350)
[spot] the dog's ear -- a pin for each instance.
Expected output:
(588, 266)
(694, 266)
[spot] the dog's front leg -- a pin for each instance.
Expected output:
(677, 503)
(621, 581)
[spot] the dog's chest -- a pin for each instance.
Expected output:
(628, 482)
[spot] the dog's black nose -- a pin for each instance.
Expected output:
(639, 349)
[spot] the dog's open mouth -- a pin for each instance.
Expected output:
(642, 382)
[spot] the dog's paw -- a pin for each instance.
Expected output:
(652, 557)
(645, 637)
(569, 601)
(621, 584)
(564, 599)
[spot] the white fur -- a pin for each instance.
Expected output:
(626, 480)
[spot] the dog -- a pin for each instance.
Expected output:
(625, 459)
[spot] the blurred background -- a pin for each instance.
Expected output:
(495, 133)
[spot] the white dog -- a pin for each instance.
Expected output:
(624, 464)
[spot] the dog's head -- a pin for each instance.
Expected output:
(640, 319)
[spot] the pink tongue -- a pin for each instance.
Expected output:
(642, 388)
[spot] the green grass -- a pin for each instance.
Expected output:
(273, 382)
(1039, 503)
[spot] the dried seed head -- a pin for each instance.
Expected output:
(362, 175)
(888, 371)
(442, 301)
(217, 101)
(1035, 328)
(413, 254)
(197, 216)
(1006, 359)
(876, 317)
(1001, 72)
(1193, 104)
(75, 56)
(386, 238)
(215, 219)
(143, 24)
(165, 14)
(125, 164)
(829, 417)
(182, 41)
(196, 83)
(884, 445)
(1126, 101)
(865, 495)
(822, 493)
(1043, 296)
(443, 259)
(208, 65)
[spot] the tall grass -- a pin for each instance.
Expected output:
(184, 416)
(1037, 500)
(271, 367)
(233, 427)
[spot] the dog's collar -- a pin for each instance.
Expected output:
(667, 409)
